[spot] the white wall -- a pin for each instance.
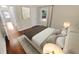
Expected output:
(34, 14)
(35, 19)
(25, 23)
(65, 13)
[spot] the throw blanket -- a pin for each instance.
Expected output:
(30, 32)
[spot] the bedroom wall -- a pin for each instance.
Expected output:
(22, 23)
(35, 16)
(62, 13)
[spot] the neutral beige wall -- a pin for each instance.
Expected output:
(62, 13)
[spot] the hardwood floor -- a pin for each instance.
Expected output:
(17, 49)
(14, 49)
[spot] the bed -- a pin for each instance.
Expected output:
(39, 34)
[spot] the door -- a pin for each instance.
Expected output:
(43, 11)
(45, 15)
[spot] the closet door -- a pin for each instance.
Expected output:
(43, 11)
(45, 15)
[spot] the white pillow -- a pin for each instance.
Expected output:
(57, 31)
(60, 41)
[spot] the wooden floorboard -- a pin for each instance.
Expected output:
(17, 49)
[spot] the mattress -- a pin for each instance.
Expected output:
(43, 35)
